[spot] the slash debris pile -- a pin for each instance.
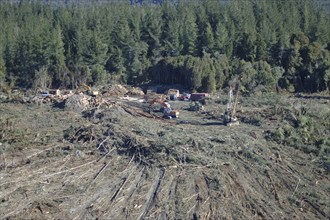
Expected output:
(121, 162)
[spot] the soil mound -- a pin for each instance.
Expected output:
(76, 102)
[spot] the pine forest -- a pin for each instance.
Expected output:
(202, 45)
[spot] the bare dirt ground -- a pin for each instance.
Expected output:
(125, 162)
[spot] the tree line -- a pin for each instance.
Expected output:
(202, 45)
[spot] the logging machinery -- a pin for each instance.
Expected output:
(196, 107)
(166, 107)
(83, 88)
(160, 100)
(230, 113)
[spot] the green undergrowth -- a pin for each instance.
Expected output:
(307, 129)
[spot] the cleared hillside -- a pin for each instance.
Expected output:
(123, 161)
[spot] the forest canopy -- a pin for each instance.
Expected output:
(202, 45)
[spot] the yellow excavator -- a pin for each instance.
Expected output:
(85, 89)
(166, 107)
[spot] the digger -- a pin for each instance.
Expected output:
(83, 88)
(166, 107)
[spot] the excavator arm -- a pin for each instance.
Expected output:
(236, 98)
(83, 88)
(86, 89)
(158, 100)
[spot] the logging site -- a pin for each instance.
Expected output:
(117, 153)
(164, 109)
